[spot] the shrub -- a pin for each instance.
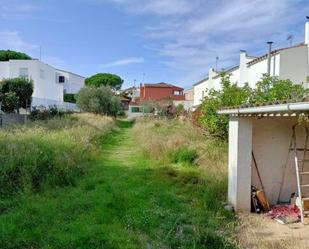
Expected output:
(105, 79)
(98, 100)
(15, 93)
(46, 113)
(6, 55)
(69, 97)
(180, 110)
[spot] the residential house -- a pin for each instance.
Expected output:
(285, 63)
(189, 100)
(161, 91)
(189, 94)
(49, 83)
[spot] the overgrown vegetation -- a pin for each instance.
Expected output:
(46, 113)
(134, 194)
(15, 93)
(52, 153)
(6, 55)
(99, 100)
(268, 89)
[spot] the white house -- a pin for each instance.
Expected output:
(49, 83)
(286, 63)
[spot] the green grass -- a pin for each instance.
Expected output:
(127, 199)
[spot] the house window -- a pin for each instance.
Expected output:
(177, 93)
(61, 79)
(42, 73)
(23, 72)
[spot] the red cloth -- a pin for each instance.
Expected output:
(285, 211)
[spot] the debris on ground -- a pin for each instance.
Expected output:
(285, 213)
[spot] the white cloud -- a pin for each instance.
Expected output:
(12, 40)
(160, 7)
(187, 35)
(124, 62)
(10, 10)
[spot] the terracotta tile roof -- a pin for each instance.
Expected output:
(162, 85)
(274, 52)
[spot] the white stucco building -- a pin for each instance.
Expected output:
(286, 63)
(49, 83)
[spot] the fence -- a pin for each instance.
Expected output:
(7, 119)
(64, 106)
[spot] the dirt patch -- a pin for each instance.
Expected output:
(260, 232)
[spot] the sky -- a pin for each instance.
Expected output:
(173, 41)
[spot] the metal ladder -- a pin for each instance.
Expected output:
(302, 168)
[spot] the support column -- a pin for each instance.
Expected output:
(240, 159)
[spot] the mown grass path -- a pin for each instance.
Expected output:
(124, 201)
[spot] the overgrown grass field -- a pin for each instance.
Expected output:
(87, 182)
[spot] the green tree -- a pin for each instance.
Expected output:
(15, 93)
(6, 55)
(229, 95)
(105, 79)
(270, 89)
(99, 100)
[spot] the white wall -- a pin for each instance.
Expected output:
(294, 64)
(46, 87)
(271, 139)
(4, 69)
(200, 91)
(256, 71)
(234, 76)
(239, 168)
(73, 82)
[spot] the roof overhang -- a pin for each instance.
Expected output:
(287, 109)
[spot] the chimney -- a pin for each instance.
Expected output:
(307, 31)
(269, 56)
(243, 68)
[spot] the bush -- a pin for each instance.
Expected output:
(45, 114)
(15, 93)
(267, 89)
(69, 97)
(105, 79)
(6, 55)
(98, 100)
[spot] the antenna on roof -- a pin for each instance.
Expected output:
(290, 38)
(217, 59)
(40, 53)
